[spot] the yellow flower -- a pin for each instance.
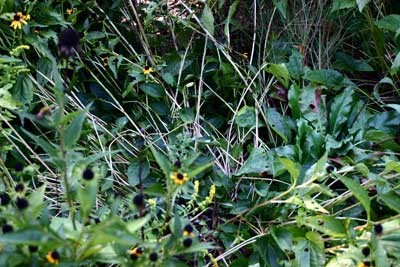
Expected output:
(69, 11)
(19, 20)
(179, 178)
(136, 252)
(53, 257)
(147, 70)
(364, 264)
(151, 202)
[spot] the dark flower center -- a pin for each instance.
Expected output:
(17, 17)
(179, 176)
(146, 68)
(55, 255)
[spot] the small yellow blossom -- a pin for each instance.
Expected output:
(147, 70)
(53, 257)
(179, 178)
(364, 264)
(69, 11)
(151, 202)
(19, 19)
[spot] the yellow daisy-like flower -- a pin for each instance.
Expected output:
(18, 20)
(364, 264)
(147, 70)
(179, 178)
(53, 257)
(136, 252)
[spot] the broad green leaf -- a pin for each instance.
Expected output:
(342, 4)
(295, 65)
(283, 237)
(280, 72)
(392, 200)
(395, 106)
(361, 4)
(257, 162)
(389, 23)
(325, 224)
(138, 170)
(49, 148)
(246, 117)
(308, 253)
(329, 78)
(384, 140)
(207, 19)
(73, 130)
(186, 115)
(358, 191)
(346, 62)
(280, 124)
(26, 236)
(152, 89)
(306, 202)
(392, 166)
(23, 90)
(292, 168)
(396, 63)
(339, 111)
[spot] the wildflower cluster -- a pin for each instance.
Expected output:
(20, 19)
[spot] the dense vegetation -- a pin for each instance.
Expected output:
(200, 133)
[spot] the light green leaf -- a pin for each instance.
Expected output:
(161, 160)
(280, 72)
(358, 191)
(199, 169)
(325, 224)
(73, 131)
(392, 200)
(187, 115)
(246, 117)
(361, 4)
(342, 4)
(330, 78)
(231, 12)
(207, 19)
(389, 23)
(292, 168)
(138, 170)
(257, 162)
(135, 225)
(87, 197)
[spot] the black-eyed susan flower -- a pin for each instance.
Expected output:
(179, 177)
(88, 174)
(68, 42)
(364, 264)
(187, 242)
(188, 230)
(19, 19)
(21, 203)
(53, 257)
(136, 252)
(4, 199)
(147, 70)
(153, 256)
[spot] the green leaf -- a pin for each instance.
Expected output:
(161, 160)
(138, 170)
(246, 117)
(152, 89)
(308, 253)
(325, 224)
(389, 23)
(26, 236)
(257, 162)
(359, 192)
(384, 140)
(135, 225)
(280, 72)
(295, 65)
(73, 130)
(87, 197)
(231, 13)
(342, 4)
(292, 168)
(361, 4)
(199, 169)
(329, 78)
(294, 101)
(392, 200)
(207, 19)
(346, 62)
(396, 64)
(340, 111)
(280, 124)
(23, 90)
(187, 115)
(281, 5)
